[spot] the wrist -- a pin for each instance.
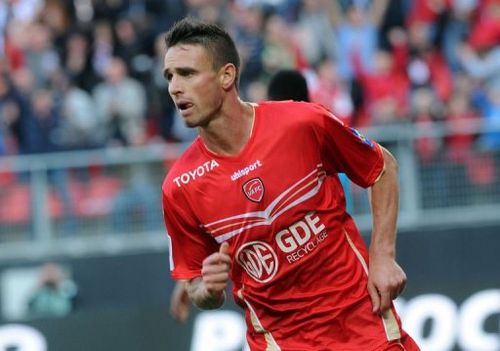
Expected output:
(202, 297)
(211, 300)
(382, 250)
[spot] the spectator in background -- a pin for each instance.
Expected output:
(121, 104)
(55, 295)
(385, 90)
(129, 46)
(476, 165)
(21, 91)
(44, 123)
(80, 127)
(485, 31)
(456, 26)
(330, 91)
(76, 61)
(288, 85)
(426, 111)
(58, 17)
(161, 14)
(13, 118)
(109, 10)
(281, 50)
(43, 131)
(426, 65)
(103, 47)
(249, 37)
(356, 32)
(20, 10)
(315, 32)
(461, 121)
(41, 57)
(482, 64)
(12, 48)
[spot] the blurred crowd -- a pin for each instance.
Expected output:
(82, 74)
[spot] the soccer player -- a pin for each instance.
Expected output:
(256, 199)
(286, 84)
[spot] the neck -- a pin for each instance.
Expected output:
(230, 131)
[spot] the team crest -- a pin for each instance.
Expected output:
(254, 190)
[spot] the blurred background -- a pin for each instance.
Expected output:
(88, 131)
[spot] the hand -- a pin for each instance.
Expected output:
(215, 271)
(386, 280)
(180, 303)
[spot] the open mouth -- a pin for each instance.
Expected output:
(184, 107)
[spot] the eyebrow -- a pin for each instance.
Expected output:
(179, 70)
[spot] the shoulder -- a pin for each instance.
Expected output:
(287, 105)
(294, 113)
(192, 164)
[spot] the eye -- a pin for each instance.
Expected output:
(168, 77)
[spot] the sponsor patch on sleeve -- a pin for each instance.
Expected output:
(361, 137)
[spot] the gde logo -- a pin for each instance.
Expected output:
(259, 260)
(302, 237)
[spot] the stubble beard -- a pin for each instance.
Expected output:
(200, 121)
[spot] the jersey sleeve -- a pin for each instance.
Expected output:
(188, 244)
(346, 150)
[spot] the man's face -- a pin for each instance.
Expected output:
(194, 84)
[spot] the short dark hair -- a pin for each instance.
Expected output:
(288, 84)
(213, 38)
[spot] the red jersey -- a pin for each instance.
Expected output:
(299, 263)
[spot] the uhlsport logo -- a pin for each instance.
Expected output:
(254, 189)
(259, 260)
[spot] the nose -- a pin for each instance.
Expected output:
(174, 86)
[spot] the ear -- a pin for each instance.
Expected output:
(227, 76)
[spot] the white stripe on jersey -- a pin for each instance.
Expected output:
(170, 255)
(268, 210)
(257, 325)
(391, 327)
(268, 216)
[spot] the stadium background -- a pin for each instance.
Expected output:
(80, 172)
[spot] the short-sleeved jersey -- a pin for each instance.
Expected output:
(299, 263)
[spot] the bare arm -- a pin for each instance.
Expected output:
(207, 291)
(386, 279)
(179, 302)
